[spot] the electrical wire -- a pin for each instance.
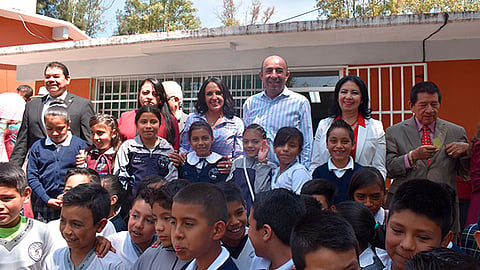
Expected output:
(30, 32)
(287, 19)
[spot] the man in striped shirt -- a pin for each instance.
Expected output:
(278, 107)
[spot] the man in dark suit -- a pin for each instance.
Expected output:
(57, 78)
(426, 146)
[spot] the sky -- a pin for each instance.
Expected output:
(207, 11)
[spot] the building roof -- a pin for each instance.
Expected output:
(73, 31)
(307, 43)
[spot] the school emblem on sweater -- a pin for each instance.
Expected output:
(163, 161)
(213, 173)
(35, 251)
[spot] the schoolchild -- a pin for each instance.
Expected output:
(49, 160)
(271, 220)
(363, 224)
(146, 154)
(340, 167)
(83, 215)
(199, 216)
(290, 174)
(24, 242)
(104, 134)
(141, 231)
(252, 172)
(120, 201)
(236, 236)
(322, 190)
(419, 218)
(162, 257)
(440, 258)
(324, 240)
(368, 188)
(201, 164)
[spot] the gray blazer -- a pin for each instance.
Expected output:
(80, 110)
(404, 136)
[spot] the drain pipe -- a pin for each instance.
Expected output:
(445, 21)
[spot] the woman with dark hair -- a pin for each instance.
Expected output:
(474, 154)
(152, 93)
(351, 104)
(215, 105)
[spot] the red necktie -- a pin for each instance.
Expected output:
(426, 140)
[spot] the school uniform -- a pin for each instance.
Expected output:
(126, 249)
(380, 216)
(160, 258)
(341, 177)
(222, 262)
(61, 260)
(243, 254)
(259, 174)
(118, 222)
(101, 163)
(203, 169)
(292, 178)
(26, 245)
(260, 263)
(134, 162)
(369, 260)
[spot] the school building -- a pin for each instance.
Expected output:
(389, 53)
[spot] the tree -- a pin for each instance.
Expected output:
(368, 8)
(140, 16)
(85, 14)
(230, 9)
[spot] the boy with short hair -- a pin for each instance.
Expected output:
(24, 242)
(440, 258)
(199, 215)
(322, 190)
(236, 237)
(340, 166)
(470, 240)
(162, 257)
(84, 213)
(324, 240)
(49, 160)
(420, 218)
(271, 220)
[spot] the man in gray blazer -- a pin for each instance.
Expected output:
(57, 78)
(443, 160)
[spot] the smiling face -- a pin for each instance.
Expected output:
(57, 128)
(78, 229)
(409, 233)
(141, 225)
(252, 141)
(201, 141)
(274, 75)
(371, 196)
(148, 125)
(55, 81)
(349, 97)
(288, 152)
(147, 95)
(101, 136)
(163, 226)
(214, 97)
(339, 145)
(237, 220)
(426, 108)
(192, 236)
(11, 203)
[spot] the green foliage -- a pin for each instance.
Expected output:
(369, 8)
(156, 16)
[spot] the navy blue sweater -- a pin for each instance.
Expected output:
(209, 173)
(342, 183)
(48, 165)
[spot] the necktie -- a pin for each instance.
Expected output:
(426, 140)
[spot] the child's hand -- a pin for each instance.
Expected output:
(178, 159)
(54, 203)
(263, 152)
(80, 158)
(102, 246)
(225, 166)
(156, 244)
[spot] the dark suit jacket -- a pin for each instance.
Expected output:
(404, 136)
(80, 110)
